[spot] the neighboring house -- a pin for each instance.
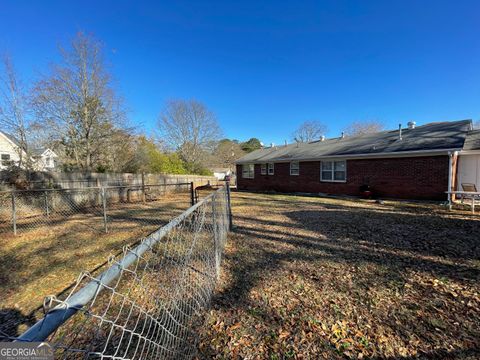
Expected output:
(42, 159)
(9, 153)
(414, 163)
(45, 159)
(220, 173)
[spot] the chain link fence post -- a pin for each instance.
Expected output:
(14, 214)
(216, 243)
(47, 209)
(229, 207)
(104, 205)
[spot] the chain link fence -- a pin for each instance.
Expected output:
(150, 301)
(95, 207)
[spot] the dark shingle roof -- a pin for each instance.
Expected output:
(430, 137)
(472, 142)
(38, 151)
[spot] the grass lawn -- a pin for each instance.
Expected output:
(317, 278)
(44, 259)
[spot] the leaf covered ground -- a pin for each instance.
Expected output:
(317, 278)
(47, 259)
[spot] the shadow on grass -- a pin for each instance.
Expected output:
(10, 322)
(395, 240)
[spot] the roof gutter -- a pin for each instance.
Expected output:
(469, 152)
(357, 156)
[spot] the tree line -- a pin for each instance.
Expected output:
(75, 109)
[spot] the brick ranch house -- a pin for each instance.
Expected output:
(419, 162)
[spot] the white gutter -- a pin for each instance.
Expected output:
(469, 152)
(357, 156)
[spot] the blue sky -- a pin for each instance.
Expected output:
(266, 66)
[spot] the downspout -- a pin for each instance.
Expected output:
(451, 155)
(449, 188)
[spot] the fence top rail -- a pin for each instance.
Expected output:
(76, 301)
(133, 186)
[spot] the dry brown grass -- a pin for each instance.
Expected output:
(45, 260)
(323, 278)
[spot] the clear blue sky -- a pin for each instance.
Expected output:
(266, 66)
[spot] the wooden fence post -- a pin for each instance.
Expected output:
(143, 187)
(192, 194)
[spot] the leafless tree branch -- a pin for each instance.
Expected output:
(309, 131)
(14, 110)
(189, 127)
(77, 104)
(363, 127)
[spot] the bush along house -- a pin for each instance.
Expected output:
(417, 162)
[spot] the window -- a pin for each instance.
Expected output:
(263, 169)
(294, 168)
(271, 170)
(334, 171)
(248, 171)
(5, 159)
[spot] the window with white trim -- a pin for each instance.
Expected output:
(295, 168)
(248, 171)
(5, 159)
(271, 169)
(263, 169)
(333, 171)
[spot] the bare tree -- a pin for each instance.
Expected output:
(363, 127)
(226, 152)
(309, 131)
(77, 104)
(189, 127)
(14, 110)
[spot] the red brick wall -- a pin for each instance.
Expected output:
(408, 178)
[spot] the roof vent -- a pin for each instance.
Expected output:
(343, 135)
(322, 138)
(399, 131)
(272, 145)
(411, 125)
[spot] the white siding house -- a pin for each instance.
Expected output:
(42, 159)
(8, 150)
(220, 173)
(45, 159)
